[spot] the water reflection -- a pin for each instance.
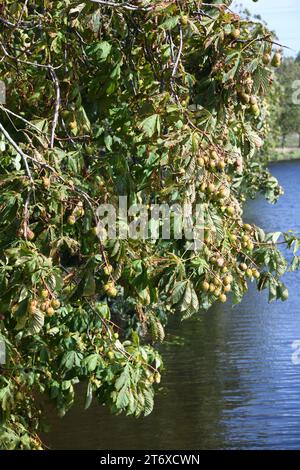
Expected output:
(232, 385)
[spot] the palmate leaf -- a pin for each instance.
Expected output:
(6, 397)
(139, 403)
(261, 80)
(282, 292)
(149, 401)
(188, 313)
(91, 362)
(295, 264)
(89, 284)
(89, 396)
(238, 293)
(190, 302)
(272, 292)
(190, 170)
(156, 328)
(150, 125)
(124, 380)
(214, 223)
(35, 323)
(123, 395)
(178, 291)
(71, 359)
(232, 72)
(252, 137)
(170, 23)
(99, 51)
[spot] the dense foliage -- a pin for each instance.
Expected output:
(158, 101)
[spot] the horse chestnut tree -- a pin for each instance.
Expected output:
(158, 101)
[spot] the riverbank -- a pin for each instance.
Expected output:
(286, 154)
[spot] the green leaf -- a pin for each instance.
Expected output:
(123, 379)
(71, 359)
(89, 396)
(232, 72)
(108, 142)
(6, 397)
(89, 285)
(123, 398)
(190, 303)
(170, 23)
(272, 292)
(91, 362)
(149, 402)
(100, 50)
(150, 125)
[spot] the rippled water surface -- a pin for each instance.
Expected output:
(232, 385)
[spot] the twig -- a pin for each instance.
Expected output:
(179, 53)
(23, 25)
(21, 14)
(19, 151)
(273, 42)
(8, 111)
(125, 5)
(26, 214)
(57, 105)
(201, 13)
(70, 138)
(26, 62)
(171, 46)
(219, 6)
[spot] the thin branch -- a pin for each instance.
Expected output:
(7, 23)
(89, 200)
(8, 111)
(21, 14)
(171, 46)
(273, 42)
(57, 105)
(25, 62)
(70, 138)
(19, 151)
(124, 5)
(26, 214)
(219, 6)
(201, 13)
(22, 25)
(179, 53)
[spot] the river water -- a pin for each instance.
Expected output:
(232, 384)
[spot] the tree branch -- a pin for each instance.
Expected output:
(19, 151)
(57, 105)
(124, 5)
(179, 53)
